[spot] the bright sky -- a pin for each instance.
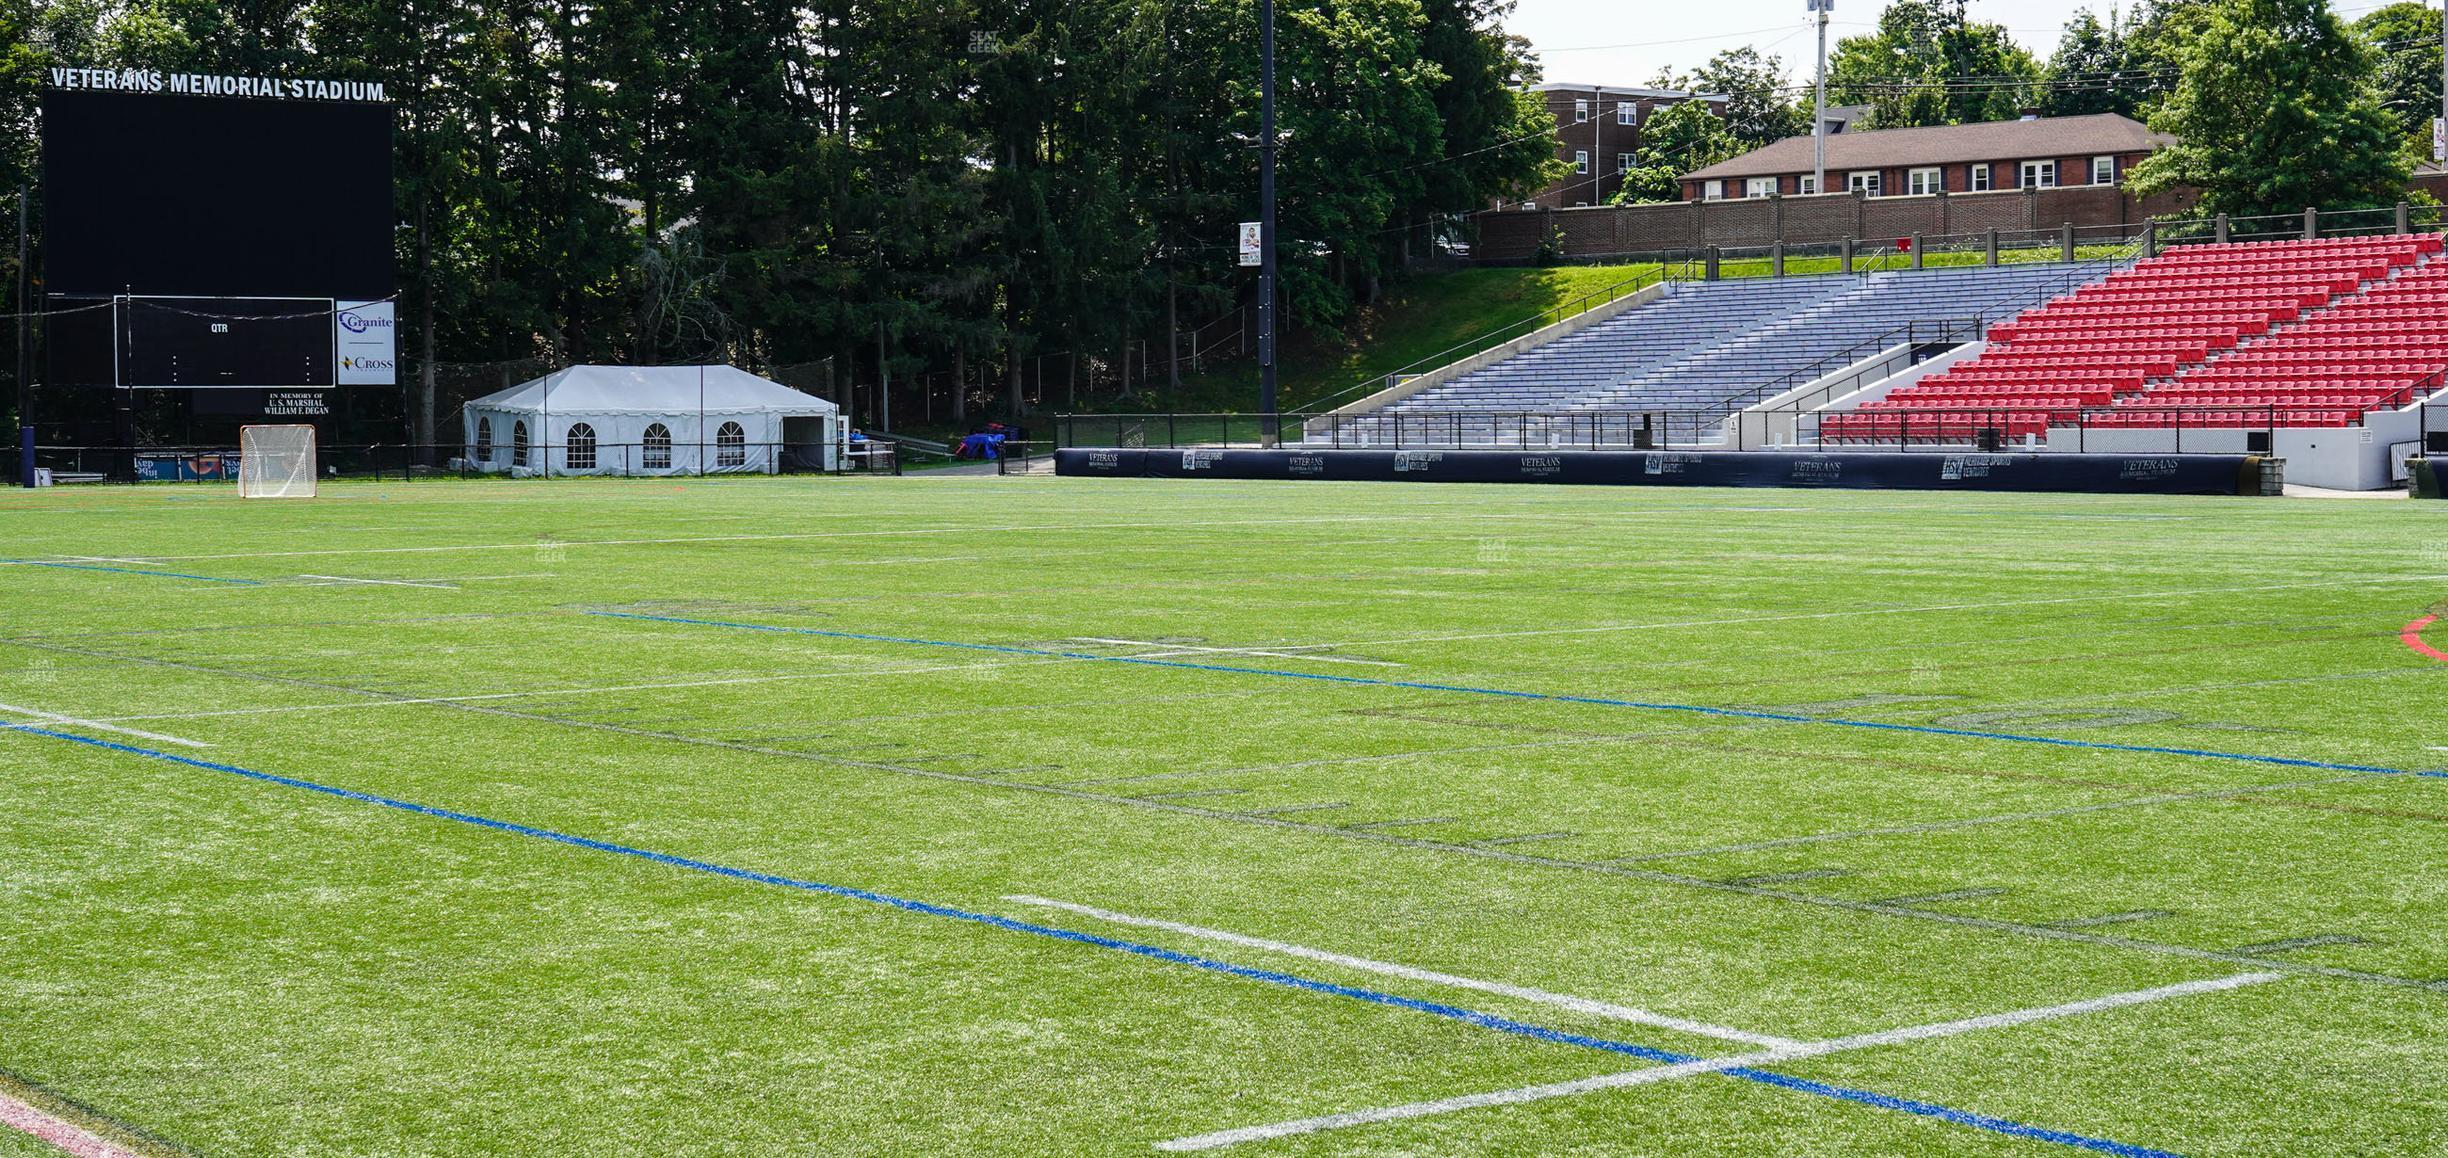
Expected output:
(1627, 41)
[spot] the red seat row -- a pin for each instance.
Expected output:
(2235, 335)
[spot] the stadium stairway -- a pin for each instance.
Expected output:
(2309, 333)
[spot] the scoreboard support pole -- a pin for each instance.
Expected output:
(25, 346)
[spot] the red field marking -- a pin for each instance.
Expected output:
(65, 1135)
(2413, 638)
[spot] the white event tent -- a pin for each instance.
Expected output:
(651, 420)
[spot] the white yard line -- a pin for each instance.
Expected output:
(1869, 611)
(1286, 652)
(56, 718)
(383, 582)
(582, 691)
(67, 1136)
(1581, 1005)
(1039, 528)
(1667, 1073)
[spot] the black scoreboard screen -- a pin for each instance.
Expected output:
(177, 195)
(274, 342)
(216, 233)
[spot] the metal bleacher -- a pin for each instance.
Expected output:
(1708, 348)
(1692, 316)
(1785, 352)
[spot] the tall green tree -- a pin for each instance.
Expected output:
(1760, 107)
(2404, 41)
(1677, 140)
(1930, 63)
(987, 194)
(2275, 113)
(2098, 69)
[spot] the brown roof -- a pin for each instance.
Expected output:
(2100, 134)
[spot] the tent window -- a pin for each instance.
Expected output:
(484, 440)
(731, 445)
(655, 448)
(581, 449)
(518, 444)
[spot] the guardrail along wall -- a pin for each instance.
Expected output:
(1829, 219)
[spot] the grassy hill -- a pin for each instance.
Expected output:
(1428, 315)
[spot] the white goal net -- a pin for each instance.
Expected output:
(276, 462)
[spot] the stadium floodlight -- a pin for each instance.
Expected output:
(276, 462)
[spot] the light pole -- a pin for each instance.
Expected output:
(1819, 102)
(1266, 221)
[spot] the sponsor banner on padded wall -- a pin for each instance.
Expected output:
(363, 339)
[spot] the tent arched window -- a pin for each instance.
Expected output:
(484, 440)
(730, 445)
(518, 444)
(655, 447)
(581, 449)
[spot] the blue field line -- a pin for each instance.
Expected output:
(130, 571)
(1552, 697)
(1471, 1017)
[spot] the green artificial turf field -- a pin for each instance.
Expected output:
(1047, 815)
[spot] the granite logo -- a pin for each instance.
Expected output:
(1201, 459)
(364, 337)
(1417, 460)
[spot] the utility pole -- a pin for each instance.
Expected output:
(1266, 221)
(1598, 145)
(1819, 103)
(25, 345)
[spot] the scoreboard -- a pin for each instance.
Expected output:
(217, 233)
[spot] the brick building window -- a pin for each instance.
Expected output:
(1923, 182)
(2039, 174)
(1981, 177)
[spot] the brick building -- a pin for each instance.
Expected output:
(1597, 130)
(2034, 153)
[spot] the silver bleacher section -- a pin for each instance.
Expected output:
(1704, 350)
(1731, 374)
(1693, 316)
